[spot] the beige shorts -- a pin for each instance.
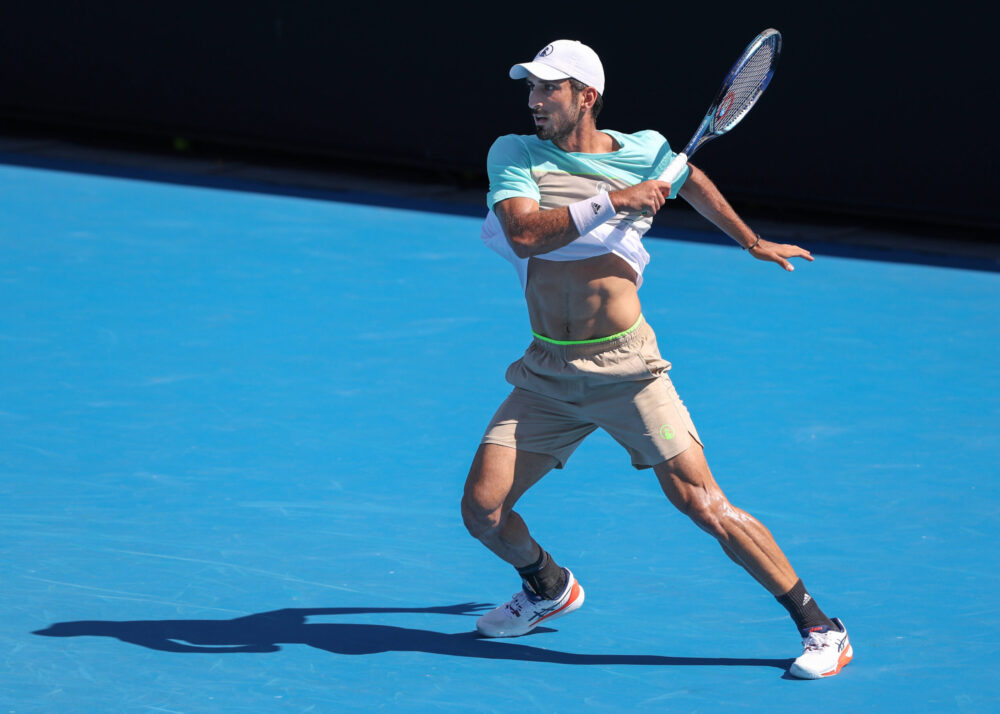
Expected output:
(564, 392)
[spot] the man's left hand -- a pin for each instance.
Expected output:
(779, 253)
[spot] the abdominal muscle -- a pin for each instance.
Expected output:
(582, 299)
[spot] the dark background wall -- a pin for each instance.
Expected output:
(875, 108)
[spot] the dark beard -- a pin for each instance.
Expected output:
(544, 132)
(558, 135)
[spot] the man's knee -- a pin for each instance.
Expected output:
(480, 520)
(713, 513)
(487, 489)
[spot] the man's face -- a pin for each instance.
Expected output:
(554, 106)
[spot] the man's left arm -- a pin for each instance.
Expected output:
(705, 198)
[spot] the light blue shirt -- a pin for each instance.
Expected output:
(526, 166)
(521, 165)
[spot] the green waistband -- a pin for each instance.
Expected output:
(590, 342)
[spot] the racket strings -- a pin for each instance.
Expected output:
(747, 85)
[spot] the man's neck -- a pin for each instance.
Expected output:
(586, 139)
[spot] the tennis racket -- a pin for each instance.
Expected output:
(740, 90)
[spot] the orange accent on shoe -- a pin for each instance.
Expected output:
(846, 656)
(573, 595)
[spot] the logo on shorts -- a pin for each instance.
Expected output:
(546, 51)
(666, 432)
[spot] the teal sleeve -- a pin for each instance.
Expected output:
(509, 167)
(662, 157)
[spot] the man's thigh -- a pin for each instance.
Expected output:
(500, 475)
(687, 480)
(647, 418)
(531, 422)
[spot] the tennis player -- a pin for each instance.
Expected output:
(568, 208)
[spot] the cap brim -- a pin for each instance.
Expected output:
(542, 71)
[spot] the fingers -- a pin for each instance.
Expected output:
(772, 253)
(655, 195)
(650, 197)
(779, 253)
(646, 198)
(793, 251)
(796, 252)
(776, 258)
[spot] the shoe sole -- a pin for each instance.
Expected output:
(846, 656)
(576, 597)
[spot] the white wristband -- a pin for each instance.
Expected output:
(591, 212)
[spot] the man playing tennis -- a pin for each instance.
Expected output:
(569, 206)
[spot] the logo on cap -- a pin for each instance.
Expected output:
(546, 51)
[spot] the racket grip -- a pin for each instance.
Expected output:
(674, 168)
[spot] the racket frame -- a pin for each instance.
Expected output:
(708, 129)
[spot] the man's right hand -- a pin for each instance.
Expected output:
(646, 198)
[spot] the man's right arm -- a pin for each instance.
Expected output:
(532, 231)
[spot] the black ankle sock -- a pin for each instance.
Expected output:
(803, 609)
(544, 577)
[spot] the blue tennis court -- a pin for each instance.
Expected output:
(234, 429)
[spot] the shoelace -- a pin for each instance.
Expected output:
(816, 641)
(518, 601)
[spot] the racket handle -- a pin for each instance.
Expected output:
(674, 168)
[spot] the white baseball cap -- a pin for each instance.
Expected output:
(563, 59)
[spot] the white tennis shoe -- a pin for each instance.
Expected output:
(825, 653)
(525, 611)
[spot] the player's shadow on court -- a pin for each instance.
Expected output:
(267, 631)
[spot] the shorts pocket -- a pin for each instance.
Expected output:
(651, 356)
